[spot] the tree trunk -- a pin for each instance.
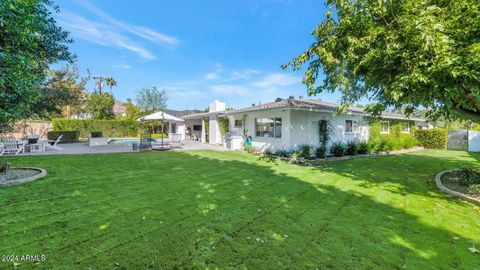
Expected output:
(471, 115)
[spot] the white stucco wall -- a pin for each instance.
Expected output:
(474, 141)
(300, 127)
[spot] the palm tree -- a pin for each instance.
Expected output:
(110, 82)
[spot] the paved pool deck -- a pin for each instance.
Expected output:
(84, 148)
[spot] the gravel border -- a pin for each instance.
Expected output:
(438, 181)
(42, 174)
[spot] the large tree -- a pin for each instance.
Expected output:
(63, 87)
(152, 99)
(100, 106)
(30, 41)
(400, 53)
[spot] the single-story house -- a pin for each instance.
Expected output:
(287, 124)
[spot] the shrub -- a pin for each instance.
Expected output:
(96, 134)
(109, 128)
(352, 148)
(436, 138)
(268, 152)
(282, 153)
(468, 177)
(305, 151)
(321, 152)
(409, 142)
(338, 149)
(363, 148)
(159, 136)
(248, 148)
(474, 189)
(68, 136)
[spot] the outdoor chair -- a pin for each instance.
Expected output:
(11, 146)
(54, 145)
(176, 141)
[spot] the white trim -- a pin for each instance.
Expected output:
(388, 127)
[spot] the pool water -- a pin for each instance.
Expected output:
(126, 141)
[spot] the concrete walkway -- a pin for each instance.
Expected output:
(84, 148)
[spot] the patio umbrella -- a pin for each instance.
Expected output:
(161, 115)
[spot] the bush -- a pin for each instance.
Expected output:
(68, 136)
(305, 151)
(352, 148)
(338, 149)
(436, 138)
(248, 148)
(159, 136)
(109, 128)
(268, 152)
(282, 153)
(363, 148)
(474, 189)
(96, 134)
(321, 152)
(468, 177)
(409, 142)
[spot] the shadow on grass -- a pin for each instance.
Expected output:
(223, 209)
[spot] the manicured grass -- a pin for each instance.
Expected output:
(232, 210)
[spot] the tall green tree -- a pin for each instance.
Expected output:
(152, 99)
(410, 53)
(100, 106)
(132, 111)
(62, 87)
(30, 41)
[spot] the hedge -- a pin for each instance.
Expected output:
(68, 136)
(394, 140)
(109, 128)
(436, 138)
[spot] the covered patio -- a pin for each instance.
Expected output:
(174, 125)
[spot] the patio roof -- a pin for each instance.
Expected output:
(201, 115)
(159, 116)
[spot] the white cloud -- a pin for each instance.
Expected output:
(276, 80)
(244, 74)
(101, 34)
(143, 32)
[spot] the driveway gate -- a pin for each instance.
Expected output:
(457, 140)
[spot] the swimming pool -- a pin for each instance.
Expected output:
(127, 141)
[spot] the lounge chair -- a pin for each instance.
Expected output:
(54, 145)
(11, 146)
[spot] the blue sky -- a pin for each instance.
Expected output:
(198, 51)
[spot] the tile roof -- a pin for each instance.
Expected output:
(315, 104)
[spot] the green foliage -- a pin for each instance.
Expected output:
(100, 106)
(364, 148)
(96, 134)
(305, 151)
(152, 99)
(223, 123)
(338, 149)
(62, 87)
(474, 189)
(282, 153)
(132, 111)
(432, 138)
(467, 177)
(248, 148)
(30, 41)
(394, 140)
(69, 136)
(324, 132)
(159, 136)
(321, 152)
(352, 148)
(404, 54)
(109, 128)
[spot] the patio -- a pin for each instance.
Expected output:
(84, 148)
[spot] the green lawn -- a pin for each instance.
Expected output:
(208, 209)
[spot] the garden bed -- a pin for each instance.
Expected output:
(16, 176)
(317, 161)
(450, 182)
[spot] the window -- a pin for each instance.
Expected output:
(406, 127)
(174, 128)
(351, 126)
(197, 127)
(385, 127)
(268, 127)
(238, 123)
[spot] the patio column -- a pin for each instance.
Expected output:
(203, 136)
